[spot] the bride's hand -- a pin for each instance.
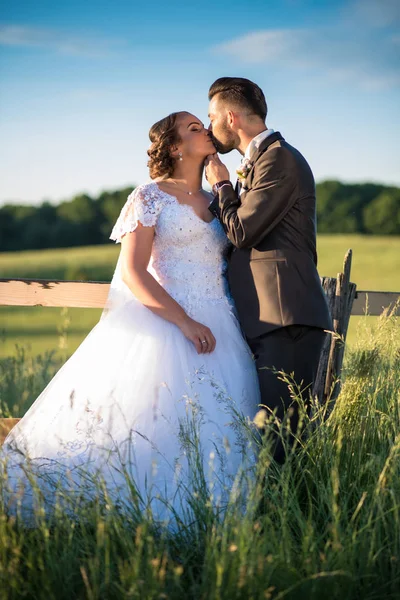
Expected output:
(199, 335)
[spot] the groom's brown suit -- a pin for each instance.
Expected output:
(272, 270)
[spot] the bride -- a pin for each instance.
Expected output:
(164, 370)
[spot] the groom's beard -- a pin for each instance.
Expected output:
(223, 148)
(228, 144)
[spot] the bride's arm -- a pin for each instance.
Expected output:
(136, 249)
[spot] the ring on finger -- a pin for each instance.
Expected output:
(204, 342)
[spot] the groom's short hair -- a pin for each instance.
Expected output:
(240, 92)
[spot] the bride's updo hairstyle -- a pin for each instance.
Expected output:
(163, 135)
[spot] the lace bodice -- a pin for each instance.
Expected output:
(188, 253)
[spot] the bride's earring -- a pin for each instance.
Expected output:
(180, 156)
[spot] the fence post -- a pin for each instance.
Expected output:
(340, 296)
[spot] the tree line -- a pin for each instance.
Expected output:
(84, 220)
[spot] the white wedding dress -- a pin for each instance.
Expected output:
(136, 398)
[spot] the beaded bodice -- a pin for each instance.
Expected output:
(188, 253)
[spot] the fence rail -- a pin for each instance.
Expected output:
(343, 300)
(93, 294)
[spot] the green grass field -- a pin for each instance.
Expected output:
(375, 267)
(323, 526)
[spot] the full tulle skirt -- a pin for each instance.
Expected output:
(138, 415)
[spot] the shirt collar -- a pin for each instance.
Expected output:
(256, 142)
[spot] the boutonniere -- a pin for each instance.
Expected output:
(244, 169)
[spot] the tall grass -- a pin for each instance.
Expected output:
(324, 525)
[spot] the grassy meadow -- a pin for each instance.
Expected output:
(324, 525)
(375, 267)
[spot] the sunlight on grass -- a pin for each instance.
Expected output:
(325, 525)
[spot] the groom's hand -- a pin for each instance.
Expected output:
(215, 169)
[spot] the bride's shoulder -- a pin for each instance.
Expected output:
(147, 198)
(144, 205)
(146, 193)
(142, 191)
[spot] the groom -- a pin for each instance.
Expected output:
(270, 218)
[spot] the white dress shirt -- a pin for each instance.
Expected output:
(253, 146)
(256, 143)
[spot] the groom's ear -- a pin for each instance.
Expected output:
(230, 118)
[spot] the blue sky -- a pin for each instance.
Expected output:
(82, 82)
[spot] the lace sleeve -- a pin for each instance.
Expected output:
(142, 206)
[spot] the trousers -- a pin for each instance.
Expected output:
(295, 350)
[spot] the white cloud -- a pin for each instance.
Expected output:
(59, 41)
(367, 59)
(274, 46)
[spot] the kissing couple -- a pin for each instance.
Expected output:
(212, 294)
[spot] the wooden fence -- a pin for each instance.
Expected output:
(93, 294)
(343, 298)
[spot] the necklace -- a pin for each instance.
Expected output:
(186, 192)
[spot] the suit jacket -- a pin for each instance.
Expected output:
(272, 270)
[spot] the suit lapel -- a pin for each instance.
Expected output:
(238, 186)
(270, 139)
